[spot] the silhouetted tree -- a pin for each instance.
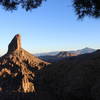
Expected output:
(26, 4)
(82, 7)
(87, 7)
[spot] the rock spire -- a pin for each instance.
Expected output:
(15, 44)
(18, 68)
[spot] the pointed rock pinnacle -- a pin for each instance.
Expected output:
(15, 44)
(18, 69)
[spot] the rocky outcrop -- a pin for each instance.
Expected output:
(15, 44)
(65, 54)
(18, 69)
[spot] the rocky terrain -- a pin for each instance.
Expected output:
(18, 69)
(65, 54)
(26, 77)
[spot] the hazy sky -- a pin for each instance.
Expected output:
(51, 27)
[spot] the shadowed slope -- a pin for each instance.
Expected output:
(75, 78)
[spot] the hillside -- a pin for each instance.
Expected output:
(65, 54)
(75, 78)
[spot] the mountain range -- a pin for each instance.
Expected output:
(57, 56)
(80, 51)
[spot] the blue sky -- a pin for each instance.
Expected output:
(51, 27)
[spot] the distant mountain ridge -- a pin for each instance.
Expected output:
(83, 51)
(47, 53)
(63, 54)
(79, 51)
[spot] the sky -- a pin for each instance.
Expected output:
(51, 27)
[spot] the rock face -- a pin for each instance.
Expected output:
(18, 69)
(15, 43)
(64, 54)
